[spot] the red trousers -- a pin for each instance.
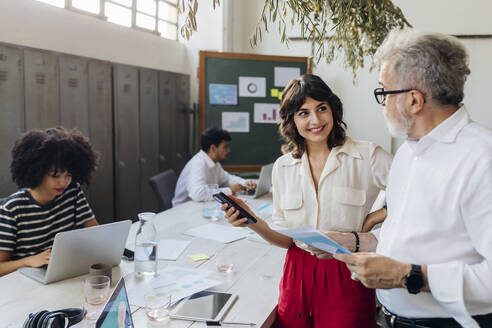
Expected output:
(320, 293)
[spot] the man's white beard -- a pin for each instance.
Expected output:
(398, 129)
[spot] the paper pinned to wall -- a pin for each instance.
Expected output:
(222, 94)
(283, 75)
(266, 113)
(235, 121)
(252, 86)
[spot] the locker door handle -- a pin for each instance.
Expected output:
(121, 163)
(162, 157)
(178, 155)
(143, 161)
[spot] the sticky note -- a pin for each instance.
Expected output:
(274, 93)
(280, 95)
(198, 257)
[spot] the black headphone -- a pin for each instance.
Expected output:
(56, 319)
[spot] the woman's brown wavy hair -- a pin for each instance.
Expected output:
(294, 96)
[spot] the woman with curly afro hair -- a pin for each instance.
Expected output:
(49, 167)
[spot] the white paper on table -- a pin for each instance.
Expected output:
(171, 249)
(283, 75)
(252, 86)
(217, 232)
(264, 210)
(312, 237)
(256, 237)
(266, 113)
(235, 121)
(177, 288)
(176, 272)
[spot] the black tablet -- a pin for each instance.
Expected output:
(204, 306)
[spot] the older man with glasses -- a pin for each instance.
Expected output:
(433, 262)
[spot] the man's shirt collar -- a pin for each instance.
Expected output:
(207, 159)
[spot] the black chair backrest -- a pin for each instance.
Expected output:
(163, 185)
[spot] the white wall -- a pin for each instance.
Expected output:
(35, 24)
(229, 27)
(462, 17)
(362, 113)
(39, 25)
(209, 36)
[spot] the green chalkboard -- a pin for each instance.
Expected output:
(261, 144)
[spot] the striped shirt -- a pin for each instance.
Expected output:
(27, 228)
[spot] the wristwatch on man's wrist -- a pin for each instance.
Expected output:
(414, 280)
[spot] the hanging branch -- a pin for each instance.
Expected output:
(353, 29)
(189, 8)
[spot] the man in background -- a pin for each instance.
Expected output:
(204, 169)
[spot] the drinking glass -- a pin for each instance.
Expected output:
(211, 209)
(96, 292)
(157, 305)
(225, 261)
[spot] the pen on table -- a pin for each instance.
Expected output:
(227, 323)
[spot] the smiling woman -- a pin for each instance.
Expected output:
(328, 182)
(49, 166)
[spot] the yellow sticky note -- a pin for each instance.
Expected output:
(274, 92)
(280, 95)
(198, 257)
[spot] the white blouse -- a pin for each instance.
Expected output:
(352, 177)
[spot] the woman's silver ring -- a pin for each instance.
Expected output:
(353, 276)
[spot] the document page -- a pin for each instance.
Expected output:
(312, 237)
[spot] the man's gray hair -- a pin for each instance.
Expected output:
(433, 63)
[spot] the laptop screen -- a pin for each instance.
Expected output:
(116, 312)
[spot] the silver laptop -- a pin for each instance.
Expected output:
(264, 182)
(74, 251)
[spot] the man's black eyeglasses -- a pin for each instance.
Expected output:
(380, 93)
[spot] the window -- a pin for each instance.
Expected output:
(118, 14)
(57, 3)
(91, 6)
(155, 16)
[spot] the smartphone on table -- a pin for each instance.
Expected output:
(128, 254)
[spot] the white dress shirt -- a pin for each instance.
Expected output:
(197, 173)
(439, 201)
(351, 179)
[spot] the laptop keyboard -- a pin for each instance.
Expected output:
(34, 272)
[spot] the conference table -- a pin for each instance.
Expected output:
(255, 279)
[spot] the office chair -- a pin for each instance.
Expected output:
(163, 185)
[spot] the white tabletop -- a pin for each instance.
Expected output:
(255, 280)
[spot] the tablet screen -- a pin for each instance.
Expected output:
(205, 305)
(116, 312)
